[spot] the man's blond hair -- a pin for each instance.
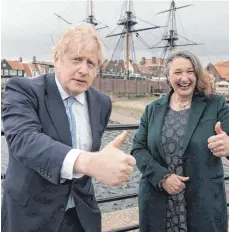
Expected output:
(83, 37)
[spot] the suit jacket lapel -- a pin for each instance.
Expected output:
(94, 109)
(197, 109)
(56, 110)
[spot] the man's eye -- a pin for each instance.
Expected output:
(76, 59)
(91, 63)
(177, 73)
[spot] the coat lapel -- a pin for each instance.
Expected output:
(159, 115)
(94, 109)
(197, 108)
(56, 110)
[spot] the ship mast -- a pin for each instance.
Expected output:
(90, 18)
(170, 37)
(128, 22)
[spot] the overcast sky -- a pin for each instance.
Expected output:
(28, 26)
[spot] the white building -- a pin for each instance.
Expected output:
(222, 88)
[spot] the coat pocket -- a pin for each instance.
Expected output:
(15, 192)
(217, 177)
(4, 224)
(21, 198)
(210, 119)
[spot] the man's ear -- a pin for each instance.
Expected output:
(55, 59)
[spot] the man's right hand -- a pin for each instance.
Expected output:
(109, 166)
(174, 184)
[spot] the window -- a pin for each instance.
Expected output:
(3, 65)
(13, 72)
(6, 72)
(34, 73)
(222, 86)
(19, 73)
(1, 72)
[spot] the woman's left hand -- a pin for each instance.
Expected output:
(219, 143)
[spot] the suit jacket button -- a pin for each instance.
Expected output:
(62, 210)
(49, 175)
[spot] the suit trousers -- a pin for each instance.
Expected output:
(71, 222)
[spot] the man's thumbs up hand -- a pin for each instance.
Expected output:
(118, 141)
(109, 166)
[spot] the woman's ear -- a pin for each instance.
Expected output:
(168, 82)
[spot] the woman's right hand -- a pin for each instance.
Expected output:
(174, 184)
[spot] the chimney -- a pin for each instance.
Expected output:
(34, 59)
(154, 60)
(20, 59)
(143, 61)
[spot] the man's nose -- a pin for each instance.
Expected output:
(83, 69)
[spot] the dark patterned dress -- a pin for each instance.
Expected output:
(172, 140)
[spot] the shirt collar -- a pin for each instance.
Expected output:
(80, 97)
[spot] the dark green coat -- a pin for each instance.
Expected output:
(205, 191)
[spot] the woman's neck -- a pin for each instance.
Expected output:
(182, 100)
(178, 103)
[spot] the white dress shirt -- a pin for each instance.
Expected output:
(83, 133)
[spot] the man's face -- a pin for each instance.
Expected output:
(76, 72)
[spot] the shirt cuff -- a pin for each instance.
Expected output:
(68, 164)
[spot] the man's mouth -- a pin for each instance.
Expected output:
(80, 81)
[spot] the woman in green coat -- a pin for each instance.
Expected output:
(178, 149)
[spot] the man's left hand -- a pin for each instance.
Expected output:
(219, 143)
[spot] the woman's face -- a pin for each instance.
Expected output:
(182, 77)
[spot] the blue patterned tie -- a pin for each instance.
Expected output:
(71, 119)
(68, 102)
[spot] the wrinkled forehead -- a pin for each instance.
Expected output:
(82, 48)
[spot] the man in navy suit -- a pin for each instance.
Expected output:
(53, 126)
